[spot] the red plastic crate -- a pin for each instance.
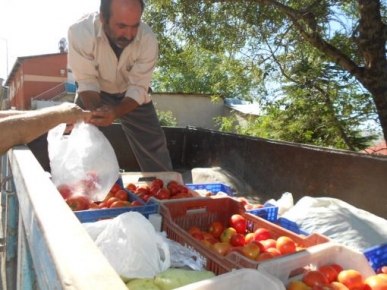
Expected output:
(179, 216)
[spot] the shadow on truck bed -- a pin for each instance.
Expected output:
(268, 168)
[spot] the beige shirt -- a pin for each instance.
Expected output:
(96, 68)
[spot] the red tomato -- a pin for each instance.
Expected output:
(382, 269)
(182, 188)
(163, 193)
(285, 245)
(237, 240)
(110, 201)
(264, 256)
(154, 189)
(116, 187)
(78, 202)
(274, 252)
(329, 272)
(198, 236)
(314, 277)
(269, 243)
(145, 197)
(194, 229)
(102, 205)
(136, 203)
(172, 182)
(238, 222)
(119, 203)
(93, 205)
(143, 189)
(351, 278)
(121, 194)
(337, 267)
(159, 182)
(261, 234)
(216, 228)
(173, 189)
(132, 187)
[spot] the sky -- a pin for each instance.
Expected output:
(34, 27)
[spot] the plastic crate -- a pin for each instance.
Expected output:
(292, 226)
(179, 216)
(92, 215)
(313, 258)
(377, 256)
(214, 188)
(247, 279)
(268, 212)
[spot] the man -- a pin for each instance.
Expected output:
(112, 55)
(20, 127)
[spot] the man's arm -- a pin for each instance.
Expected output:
(23, 127)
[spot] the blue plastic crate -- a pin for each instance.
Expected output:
(291, 226)
(98, 214)
(268, 212)
(211, 187)
(377, 256)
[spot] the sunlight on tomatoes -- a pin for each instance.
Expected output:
(285, 245)
(351, 278)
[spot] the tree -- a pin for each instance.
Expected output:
(349, 37)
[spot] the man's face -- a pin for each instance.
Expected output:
(124, 22)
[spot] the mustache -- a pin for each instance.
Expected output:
(125, 40)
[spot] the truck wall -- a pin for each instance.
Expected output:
(270, 168)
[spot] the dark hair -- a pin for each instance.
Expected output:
(105, 8)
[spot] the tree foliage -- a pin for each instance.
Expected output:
(317, 68)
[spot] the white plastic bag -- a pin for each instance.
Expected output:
(84, 160)
(133, 248)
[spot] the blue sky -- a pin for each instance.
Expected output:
(33, 27)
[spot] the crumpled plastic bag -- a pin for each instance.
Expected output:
(84, 161)
(340, 221)
(132, 246)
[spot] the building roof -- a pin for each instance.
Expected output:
(379, 148)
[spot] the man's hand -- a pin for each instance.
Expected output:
(103, 116)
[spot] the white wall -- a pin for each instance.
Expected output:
(190, 109)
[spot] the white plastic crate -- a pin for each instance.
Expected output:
(313, 258)
(246, 279)
(147, 177)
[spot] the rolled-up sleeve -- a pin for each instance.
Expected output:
(81, 57)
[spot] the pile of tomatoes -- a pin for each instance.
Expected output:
(160, 190)
(117, 197)
(334, 277)
(258, 245)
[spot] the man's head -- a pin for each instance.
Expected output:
(121, 19)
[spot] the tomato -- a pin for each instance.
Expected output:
(93, 205)
(144, 188)
(239, 223)
(376, 282)
(269, 243)
(121, 194)
(338, 286)
(173, 189)
(110, 201)
(102, 205)
(261, 234)
(194, 229)
(132, 187)
(237, 240)
(337, 267)
(65, 191)
(174, 182)
(227, 234)
(157, 181)
(163, 193)
(208, 235)
(251, 251)
(154, 189)
(274, 252)
(314, 277)
(351, 278)
(143, 196)
(216, 228)
(285, 245)
(249, 237)
(78, 202)
(221, 248)
(136, 203)
(297, 285)
(116, 187)
(119, 203)
(329, 272)
(382, 269)
(264, 256)
(198, 235)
